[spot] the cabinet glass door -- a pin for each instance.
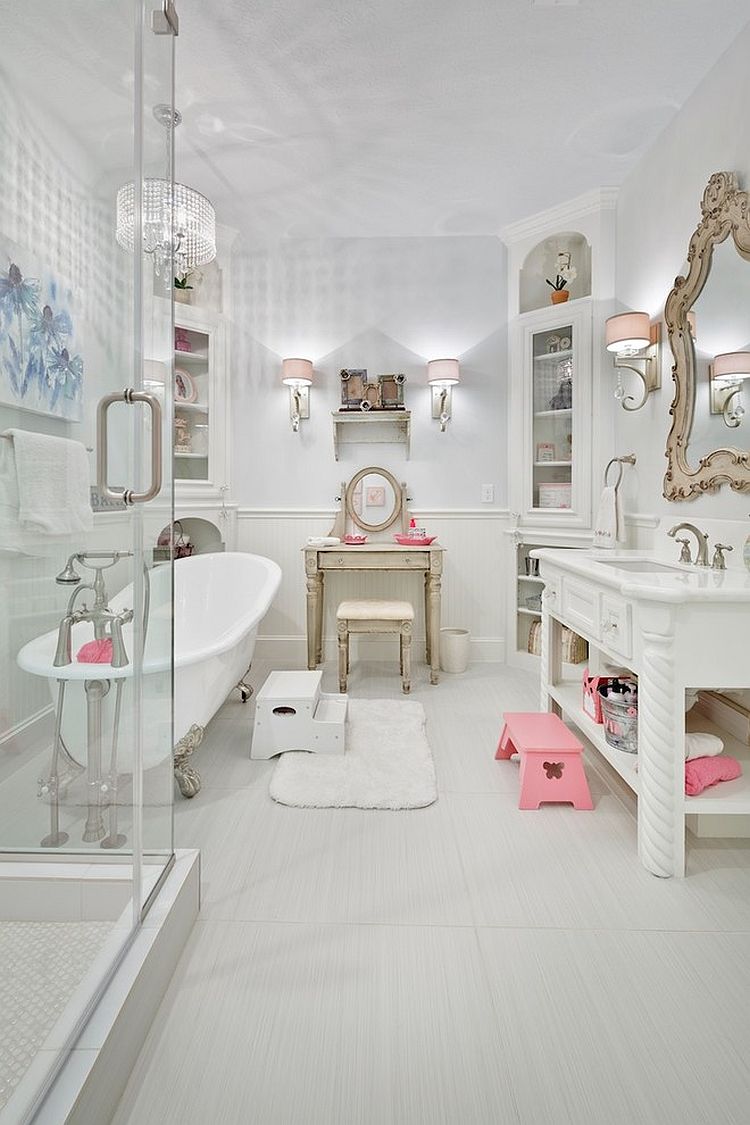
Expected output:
(553, 375)
(192, 363)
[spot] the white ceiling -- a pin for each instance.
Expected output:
(385, 117)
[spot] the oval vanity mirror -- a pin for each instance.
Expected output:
(373, 499)
(708, 320)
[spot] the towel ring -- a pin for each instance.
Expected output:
(620, 462)
(620, 471)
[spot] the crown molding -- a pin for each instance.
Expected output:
(564, 214)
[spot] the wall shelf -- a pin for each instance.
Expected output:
(358, 427)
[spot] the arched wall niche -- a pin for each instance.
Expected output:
(542, 262)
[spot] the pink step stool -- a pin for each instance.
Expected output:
(551, 766)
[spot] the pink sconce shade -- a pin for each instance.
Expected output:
(443, 372)
(297, 372)
(732, 366)
(628, 332)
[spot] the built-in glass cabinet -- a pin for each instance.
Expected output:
(192, 406)
(552, 426)
(201, 424)
(554, 397)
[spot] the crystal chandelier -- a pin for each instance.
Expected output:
(179, 224)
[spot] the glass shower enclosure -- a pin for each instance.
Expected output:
(86, 390)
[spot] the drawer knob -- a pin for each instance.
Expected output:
(341, 560)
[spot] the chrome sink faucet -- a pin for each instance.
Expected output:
(701, 558)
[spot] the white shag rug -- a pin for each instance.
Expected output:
(387, 763)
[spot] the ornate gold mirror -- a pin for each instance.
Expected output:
(372, 501)
(706, 322)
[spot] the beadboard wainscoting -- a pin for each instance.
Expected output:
(472, 590)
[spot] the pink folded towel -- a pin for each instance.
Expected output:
(96, 652)
(702, 772)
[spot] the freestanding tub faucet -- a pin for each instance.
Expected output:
(701, 558)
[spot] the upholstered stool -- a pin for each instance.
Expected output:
(373, 616)
(551, 766)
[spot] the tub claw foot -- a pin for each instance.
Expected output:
(244, 688)
(186, 776)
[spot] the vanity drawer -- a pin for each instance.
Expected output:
(579, 607)
(374, 560)
(616, 631)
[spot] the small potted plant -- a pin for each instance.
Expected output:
(183, 290)
(566, 272)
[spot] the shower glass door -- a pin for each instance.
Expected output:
(86, 377)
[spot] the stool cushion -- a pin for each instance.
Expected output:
(372, 609)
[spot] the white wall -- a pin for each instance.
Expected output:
(658, 210)
(49, 206)
(386, 305)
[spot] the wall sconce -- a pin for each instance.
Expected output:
(442, 375)
(632, 337)
(297, 374)
(726, 375)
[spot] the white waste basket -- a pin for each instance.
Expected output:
(454, 650)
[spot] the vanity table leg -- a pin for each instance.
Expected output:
(314, 600)
(434, 583)
(427, 628)
(661, 755)
(319, 621)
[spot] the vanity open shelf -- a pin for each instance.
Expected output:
(360, 427)
(728, 797)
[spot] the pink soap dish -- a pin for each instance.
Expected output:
(410, 541)
(354, 540)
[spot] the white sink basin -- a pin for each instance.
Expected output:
(641, 566)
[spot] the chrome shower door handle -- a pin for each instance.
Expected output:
(127, 495)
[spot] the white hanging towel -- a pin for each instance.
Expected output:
(609, 529)
(52, 482)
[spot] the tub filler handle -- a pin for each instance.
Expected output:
(127, 495)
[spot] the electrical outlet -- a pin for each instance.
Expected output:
(488, 493)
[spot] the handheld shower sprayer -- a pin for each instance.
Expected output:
(69, 576)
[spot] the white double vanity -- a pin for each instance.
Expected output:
(674, 626)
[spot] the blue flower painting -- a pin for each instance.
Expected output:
(41, 368)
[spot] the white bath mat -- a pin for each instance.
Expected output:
(387, 763)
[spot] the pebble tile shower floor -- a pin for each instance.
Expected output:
(41, 965)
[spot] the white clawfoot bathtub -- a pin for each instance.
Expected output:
(219, 602)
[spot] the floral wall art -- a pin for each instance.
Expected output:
(41, 366)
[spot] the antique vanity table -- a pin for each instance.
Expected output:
(375, 503)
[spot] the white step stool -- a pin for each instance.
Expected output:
(292, 713)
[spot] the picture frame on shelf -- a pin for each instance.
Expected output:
(392, 391)
(370, 397)
(353, 383)
(546, 451)
(185, 390)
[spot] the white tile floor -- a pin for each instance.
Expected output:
(466, 963)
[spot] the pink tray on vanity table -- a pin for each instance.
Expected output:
(409, 541)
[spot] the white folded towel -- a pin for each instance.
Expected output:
(48, 479)
(609, 529)
(702, 745)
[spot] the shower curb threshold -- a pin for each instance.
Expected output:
(90, 1083)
